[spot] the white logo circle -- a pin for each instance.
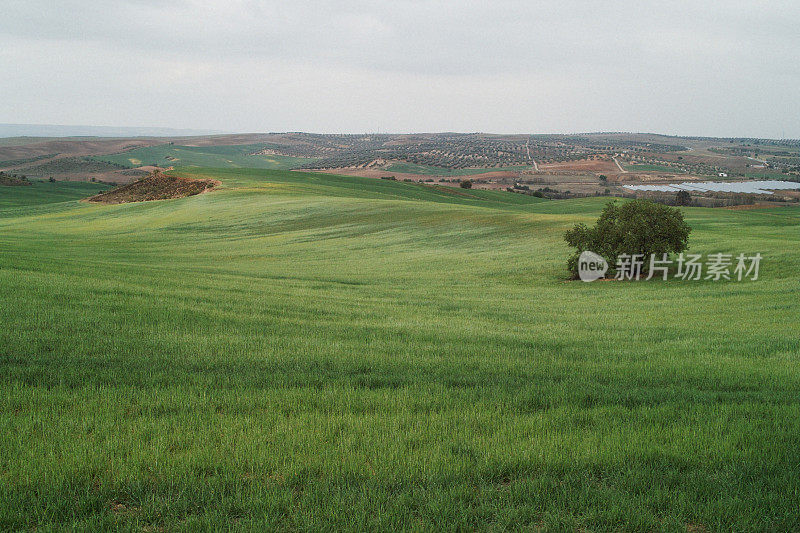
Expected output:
(591, 266)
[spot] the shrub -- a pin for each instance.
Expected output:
(466, 184)
(635, 227)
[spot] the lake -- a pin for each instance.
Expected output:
(753, 187)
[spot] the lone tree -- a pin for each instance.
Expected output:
(635, 227)
(466, 184)
(683, 198)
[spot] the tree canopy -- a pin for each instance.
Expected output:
(634, 227)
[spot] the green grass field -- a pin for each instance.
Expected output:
(639, 167)
(749, 173)
(235, 156)
(311, 352)
(15, 201)
(428, 170)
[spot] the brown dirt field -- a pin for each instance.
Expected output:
(70, 147)
(583, 165)
(37, 162)
(497, 174)
(156, 186)
(22, 147)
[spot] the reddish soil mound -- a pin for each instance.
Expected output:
(156, 186)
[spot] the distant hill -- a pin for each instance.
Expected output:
(52, 130)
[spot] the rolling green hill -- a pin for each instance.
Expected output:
(306, 351)
(236, 156)
(19, 200)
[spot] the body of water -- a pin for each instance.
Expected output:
(753, 187)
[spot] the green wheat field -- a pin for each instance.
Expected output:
(302, 351)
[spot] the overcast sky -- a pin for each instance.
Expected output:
(695, 68)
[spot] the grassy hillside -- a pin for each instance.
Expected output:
(306, 351)
(236, 156)
(16, 200)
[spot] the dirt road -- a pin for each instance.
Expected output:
(532, 160)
